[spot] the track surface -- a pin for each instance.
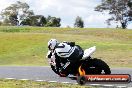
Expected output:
(46, 74)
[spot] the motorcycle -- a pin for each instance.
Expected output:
(86, 65)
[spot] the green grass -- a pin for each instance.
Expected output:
(28, 45)
(32, 84)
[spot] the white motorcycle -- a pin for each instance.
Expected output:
(86, 65)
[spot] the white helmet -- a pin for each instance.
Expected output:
(52, 44)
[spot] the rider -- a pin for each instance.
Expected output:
(65, 54)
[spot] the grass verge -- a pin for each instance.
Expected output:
(32, 84)
(28, 45)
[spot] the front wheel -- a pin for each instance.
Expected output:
(96, 66)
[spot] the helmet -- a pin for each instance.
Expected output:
(52, 44)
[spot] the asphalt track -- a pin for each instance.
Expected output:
(43, 73)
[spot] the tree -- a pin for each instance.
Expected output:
(0, 23)
(13, 19)
(53, 22)
(6, 22)
(41, 20)
(17, 12)
(26, 21)
(120, 11)
(35, 20)
(79, 22)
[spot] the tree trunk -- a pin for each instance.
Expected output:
(123, 24)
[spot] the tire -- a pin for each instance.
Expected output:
(81, 80)
(96, 66)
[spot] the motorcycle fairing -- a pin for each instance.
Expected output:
(88, 52)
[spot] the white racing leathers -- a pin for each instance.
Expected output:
(64, 50)
(66, 56)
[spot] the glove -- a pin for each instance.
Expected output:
(52, 60)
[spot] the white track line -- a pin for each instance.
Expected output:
(75, 83)
(24, 79)
(66, 82)
(39, 80)
(9, 78)
(94, 84)
(122, 87)
(52, 81)
(108, 85)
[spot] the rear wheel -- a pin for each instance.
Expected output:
(81, 80)
(96, 66)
